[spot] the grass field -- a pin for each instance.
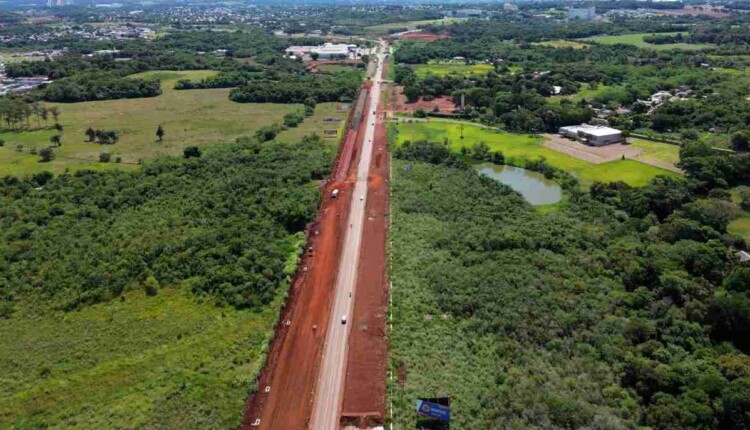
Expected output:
(442, 69)
(636, 39)
(168, 361)
(562, 44)
(584, 92)
(520, 147)
(390, 27)
(655, 151)
(194, 117)
(741, 226)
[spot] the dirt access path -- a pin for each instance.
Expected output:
(286, 385)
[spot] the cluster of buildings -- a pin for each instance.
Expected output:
(582, 14)
(14, 85)
(327, 51)
(681, 93)
(463, 13)
(87, 33)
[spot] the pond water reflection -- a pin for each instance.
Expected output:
(533, 186)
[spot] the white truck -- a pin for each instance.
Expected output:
(343, 319)
(335, 193)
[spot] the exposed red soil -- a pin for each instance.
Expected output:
(366, 366)
(444, 103)
(420, 35)
(291, 369)
(314, 65)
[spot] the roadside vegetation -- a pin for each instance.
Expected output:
(152, 291)
(625, 307)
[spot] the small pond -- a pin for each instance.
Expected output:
(533, 186)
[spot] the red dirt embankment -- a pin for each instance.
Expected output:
(444, 103)
(366, 367)
(420, 35)
(291, 370)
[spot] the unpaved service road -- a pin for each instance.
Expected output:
(329, 394)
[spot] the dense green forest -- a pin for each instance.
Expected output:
(308, 89)
(220, 224)
(626, 308)
(99, 86)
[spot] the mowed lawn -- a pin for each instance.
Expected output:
(636, 39)
(520, 147)
(656, 151)
(169, 361)
(192, 117)
(443, 69)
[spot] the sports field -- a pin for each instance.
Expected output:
(636, 39)
(443, 69)
(520, 147)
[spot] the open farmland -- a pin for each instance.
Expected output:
(636, 39)
(520, 147)
(193, 117)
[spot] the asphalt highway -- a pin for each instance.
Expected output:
(330, 387)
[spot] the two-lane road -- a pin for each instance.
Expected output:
(329, 393)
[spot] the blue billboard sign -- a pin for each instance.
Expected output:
(433, 410)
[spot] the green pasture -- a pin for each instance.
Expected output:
(189, 117)
(636, 39)
(520, 147)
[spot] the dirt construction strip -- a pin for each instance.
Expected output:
(331, 379)
(286, 386)
(365, 388)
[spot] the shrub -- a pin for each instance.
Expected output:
(47, 155)
(191, 152)
(151, 286)
(104, 157)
